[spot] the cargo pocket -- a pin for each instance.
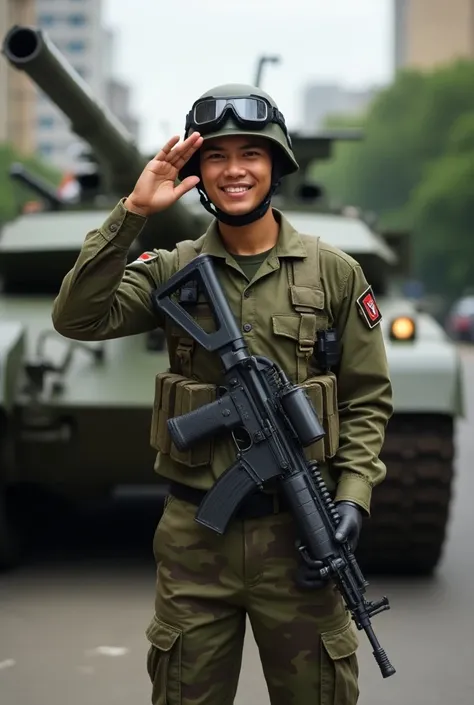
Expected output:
(190, 395)
(322, 390)
(339, 666)
(163, 409)
(164, 662)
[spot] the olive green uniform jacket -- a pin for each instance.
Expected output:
(102, 298)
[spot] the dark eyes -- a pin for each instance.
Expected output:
(248, 153)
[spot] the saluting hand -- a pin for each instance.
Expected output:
(155, 189)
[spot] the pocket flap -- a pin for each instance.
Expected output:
(307, 296)
(327, 385)
(191, 395)
(287, 325)
(162, 635)
(341, 642)
(168, 391)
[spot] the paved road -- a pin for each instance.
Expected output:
(72, 621)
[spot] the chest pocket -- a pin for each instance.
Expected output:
(308, 303)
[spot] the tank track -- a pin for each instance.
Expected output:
(410, 509)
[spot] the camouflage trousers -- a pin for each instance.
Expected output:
(207, 585)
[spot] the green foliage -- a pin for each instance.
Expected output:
(13, 195)
(443, 223)
(415, 169)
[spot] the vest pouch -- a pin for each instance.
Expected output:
(190, 395)
(322, 390)
(163, 409)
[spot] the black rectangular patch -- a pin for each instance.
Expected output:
(368, 307)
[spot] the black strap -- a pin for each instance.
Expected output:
(259, 504)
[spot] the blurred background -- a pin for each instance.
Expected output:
(379, 99)
(401, 69)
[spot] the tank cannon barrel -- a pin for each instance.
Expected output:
(30, 50)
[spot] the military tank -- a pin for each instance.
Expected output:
(74, 417)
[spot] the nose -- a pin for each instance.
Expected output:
(234, 168)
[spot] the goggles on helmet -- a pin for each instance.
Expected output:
(254, 112)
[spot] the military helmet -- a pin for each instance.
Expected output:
(240, 109)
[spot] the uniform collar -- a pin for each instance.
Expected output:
(289, 243)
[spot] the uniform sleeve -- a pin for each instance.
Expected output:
(102, 297)
(364, 395)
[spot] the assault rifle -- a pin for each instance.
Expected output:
(278, 420)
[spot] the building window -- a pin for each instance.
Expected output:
(47, 20)
(76, 46)
(46, 121)
(77, 20)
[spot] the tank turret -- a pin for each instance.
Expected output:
(298, 190)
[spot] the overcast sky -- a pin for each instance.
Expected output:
(171, 51)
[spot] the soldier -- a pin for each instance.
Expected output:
(282, 287)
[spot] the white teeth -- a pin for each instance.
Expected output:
(236, 189)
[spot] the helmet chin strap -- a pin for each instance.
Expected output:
(237, 220)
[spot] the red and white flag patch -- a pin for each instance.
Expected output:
(368, 307)
(145, 257)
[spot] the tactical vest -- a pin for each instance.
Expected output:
(179, 390)
(307, 298)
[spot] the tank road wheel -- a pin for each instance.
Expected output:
(410, 509)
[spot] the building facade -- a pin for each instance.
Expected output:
(429, 33)
(75, 27)
(17, 94)
(323, 100)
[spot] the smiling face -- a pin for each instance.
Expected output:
(236, 172)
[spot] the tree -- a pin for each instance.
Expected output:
(443, 213)
(414, 169)
(406, 126)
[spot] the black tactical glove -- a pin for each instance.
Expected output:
(351, 523)
(307, 578)
(307, 575)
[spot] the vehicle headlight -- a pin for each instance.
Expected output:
(402, 328)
